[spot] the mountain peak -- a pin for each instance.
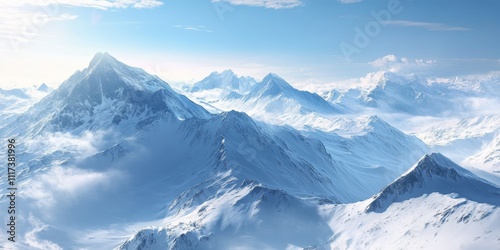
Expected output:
(271, 77)
(226, 80)
(228, 72)
(383, 78)
(105, 63)
(434, 173)
(109, 92)
(43, 88)
(434, 165)
(272, 85)
(101, 57)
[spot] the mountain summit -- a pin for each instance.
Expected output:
(272, 85)
(227, 80)
(109, 92)
(274, 91)
(436, 173)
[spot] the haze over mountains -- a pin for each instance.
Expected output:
(116, 158)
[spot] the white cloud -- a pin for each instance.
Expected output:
(62, 17)
(23, 20)
(349, 1)
(271, 4)
(395, 64)
(31, 237)
(425, 25)
(98, 4)
(85, 145)
(193, 28)
(62, 184)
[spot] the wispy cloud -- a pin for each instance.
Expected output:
(97, 4)
(425, 25)
(23, 20)
(270, 4)
(31, 237)
(349, 1)
(193, 28)
(393, 63)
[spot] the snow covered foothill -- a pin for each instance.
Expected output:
(435, 204)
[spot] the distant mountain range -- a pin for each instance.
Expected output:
(14, 102)
(114, 158)
(450, 112)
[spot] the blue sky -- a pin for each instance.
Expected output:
(304, 41)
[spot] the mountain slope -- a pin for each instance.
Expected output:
(435, 204)
(230, 212)
(274, 95)
(433, 221)
(247, 214)
(164, 173)
(162, 146)
(274, 101)
(372, 152)
(389, 92)
(488, 158)
(13, 102)
(436, 173)
(119, 94)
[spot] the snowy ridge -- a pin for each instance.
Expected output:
(447, 132)
(227, 80)
(274, 90)
(433, 221)
(371, 152)
(107, 93)
(480, 85)
(471, 141)
(489, 156)
(253, 153)
(13, 102)
(272, 100)
(436, 173)
(395, 93)
(227, 212)
(166, 174)
(456, 117)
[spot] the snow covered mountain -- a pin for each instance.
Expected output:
(389, 92)
(219, 86)
(73, 138)
(455, 116)
(114, 158)
(227, 81)
(247, 215)
(273, 92)
(431, 221)
(418, 209)
(274, 101)
(435, 204)
(107, 93)
(471, 141)
(479, 85)
(371, 147)
(13, 102)
(436, 173)
(488, 158)
(372, 152)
